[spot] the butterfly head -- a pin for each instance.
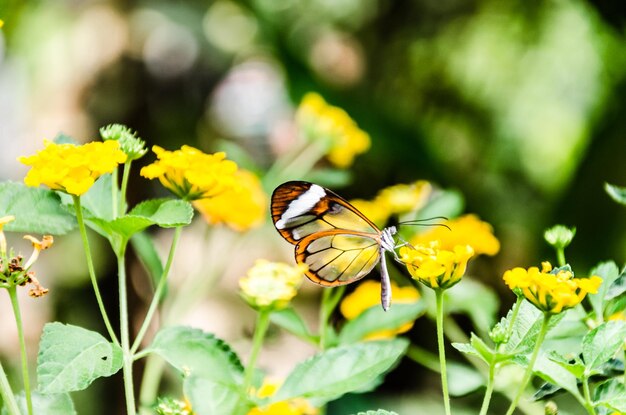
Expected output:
(387, 241)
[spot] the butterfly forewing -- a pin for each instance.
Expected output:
(337, 257)
(300, 209)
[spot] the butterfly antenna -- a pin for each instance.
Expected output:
(421, 222)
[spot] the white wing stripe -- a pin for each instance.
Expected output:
(301, 205)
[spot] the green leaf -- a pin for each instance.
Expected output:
(62, 138)
(209, 397)
(71, 357)
(465, 379)
(55, 404)
(462, 299)
(148, 255)
(98, 201)
(601, 344)
(449, 203)
(477, 347)
(166, 213)
(611, 394)
(618, 287)
(333, 178)
(36, 210)
(617, 193)
(378, 412)
(609, 272)
(375, 319)
(195, 352)
(334, 372)
(526, 328)
(576, 367)
(291, 321)
(553, 373)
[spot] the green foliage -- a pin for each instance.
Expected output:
(609, 273)
(601, 344)
(291, 321)
(375, 319)
(55, 404)
(209, 396)
(612, 395)
(616, 192)
(36, 210)
(147, 254)
(377, 412)
(70, 358)
(334, 372)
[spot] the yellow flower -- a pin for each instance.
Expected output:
(271, 285)
(191, 174)
(549, 290)
(297, 406)
(404, 198)
(3, 241)
(436, 267)
(72, 168)
(367, 295)
(240, 208)
(465, 230)
(334, 128)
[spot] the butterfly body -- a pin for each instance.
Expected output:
(338, 243)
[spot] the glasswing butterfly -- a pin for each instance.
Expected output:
(336, 241)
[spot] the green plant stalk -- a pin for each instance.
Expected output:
(587, 403)
(330, 299)
(125, 176)
(442, 352)
(423, 357)
(10, 404)
(158, 292)
(150, 384)
(127, 366)
(531, 363)
(560, 256)
(490, 382)
(92, 272)
(516, 308)
(262, 323)
(20, 333)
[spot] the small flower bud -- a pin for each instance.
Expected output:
(133, 146)
(551, 408)
(499, 334)
(559, 236)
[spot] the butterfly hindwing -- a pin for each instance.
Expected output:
(338, 257)
(300, 209)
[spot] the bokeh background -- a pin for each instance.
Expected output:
(518, 105)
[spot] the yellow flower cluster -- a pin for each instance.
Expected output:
(271, 285)
(72, 168)
(551, 292)
(191, 174)
(395, 200)
(296, 406)
(465, 230)
(367, 295)
(241, 207)
(334, 128)
(435, 267)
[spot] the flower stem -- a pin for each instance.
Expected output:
(330, 299)
(158, 292)
(262, 323)
(150, 384)
(127, 366)
(587, 403)
(560, 257)
(92, 272)
(442, 352)
(125, 176)
(20, 333)
(7, 394)
(490, 381)
(531, 363)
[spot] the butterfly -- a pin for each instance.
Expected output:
(338, 243)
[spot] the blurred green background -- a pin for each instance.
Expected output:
(519, 104)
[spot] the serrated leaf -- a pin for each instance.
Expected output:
(166, 213)
(477, 347)
(617, 193)
(55, 404)
(601, 344)
(378, 412)
(337, 371)
(611, 394)
(36, 210)
(375, 319)
(71, 357)
(291, 321)
(609, 272)
(209, 397)
(576, 368)
(554, 373)
(526, 328)
(194, 352)
(617, 288)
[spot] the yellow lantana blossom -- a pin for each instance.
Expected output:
(367, 295)
(465, 230)
(334, 128)
(240, 208)
(549, 290)
(72, 168)
(297, 406)
(191, 174)
(271, 285)
(435, 267)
